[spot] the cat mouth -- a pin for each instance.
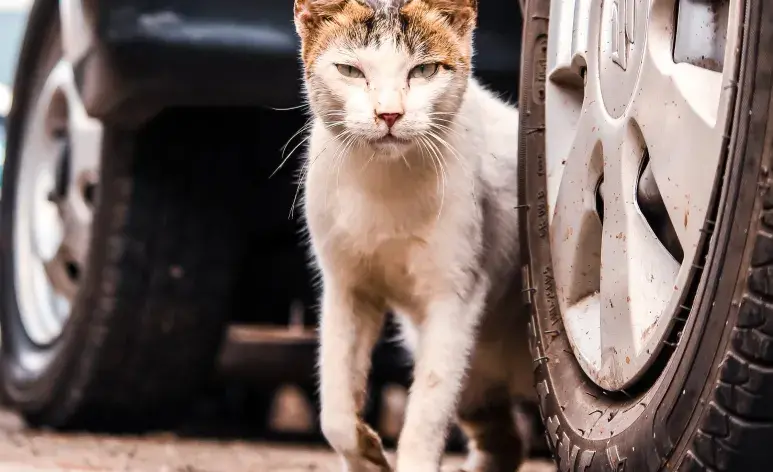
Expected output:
(390, 139)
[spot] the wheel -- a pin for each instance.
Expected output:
(647, 230)
(117, 254)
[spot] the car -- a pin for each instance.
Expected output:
(144, 242)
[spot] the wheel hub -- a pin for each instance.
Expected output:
(621, 111)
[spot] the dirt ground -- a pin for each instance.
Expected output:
(23, 450)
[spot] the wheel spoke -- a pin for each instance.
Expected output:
(574, 171)
(575, 228)
(85, 144)
(85, 134)
(638, 275)
(676, 111)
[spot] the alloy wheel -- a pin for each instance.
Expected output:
(636, 128)
(54, 205)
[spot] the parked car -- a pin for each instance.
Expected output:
(139, 222)
(646, 197)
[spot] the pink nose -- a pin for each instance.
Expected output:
(390, 118)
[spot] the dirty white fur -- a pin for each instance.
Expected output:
(425, 228)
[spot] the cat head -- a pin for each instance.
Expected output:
(386, 72)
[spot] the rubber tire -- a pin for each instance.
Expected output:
(712, 408)
(149, 318)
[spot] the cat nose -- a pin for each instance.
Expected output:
(390, 118)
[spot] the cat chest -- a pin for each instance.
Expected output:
(400, 270)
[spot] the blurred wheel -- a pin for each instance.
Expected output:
(116, 263)
(647, 146)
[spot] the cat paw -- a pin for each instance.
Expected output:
(370, 448)
(355, 442)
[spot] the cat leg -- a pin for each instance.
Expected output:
(349, 328)
(486, 417)
(447, 335)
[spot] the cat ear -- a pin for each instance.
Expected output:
(461, 14)
(308, 13)
(304, 17)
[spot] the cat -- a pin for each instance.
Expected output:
(410, 184)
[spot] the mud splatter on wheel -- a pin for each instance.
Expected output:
(646, 151)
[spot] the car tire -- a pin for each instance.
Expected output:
(711, 405)
(154, 292)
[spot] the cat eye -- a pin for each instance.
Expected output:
(424, 71)
(350, 71)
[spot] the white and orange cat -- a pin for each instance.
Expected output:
(410, 196)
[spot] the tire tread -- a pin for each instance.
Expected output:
(739, 417)
(167, 280)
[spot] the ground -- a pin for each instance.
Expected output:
(24, 450)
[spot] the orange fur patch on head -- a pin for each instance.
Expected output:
(460, 15)
(436, 30)
(443, 28)
(319, 22)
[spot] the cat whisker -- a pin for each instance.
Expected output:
(459, 158)
(341, 139)
(452, 124)
(448, 146)
(303, 128)
(423, 147)
(333, 113)
(435, 152)
(340, 156)
(281, 164)
(444, 129)
(442, 141)
(298, 107)
(370, 159)
(402, 154)
(444, 120)
(307, 126)
(304, 171)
